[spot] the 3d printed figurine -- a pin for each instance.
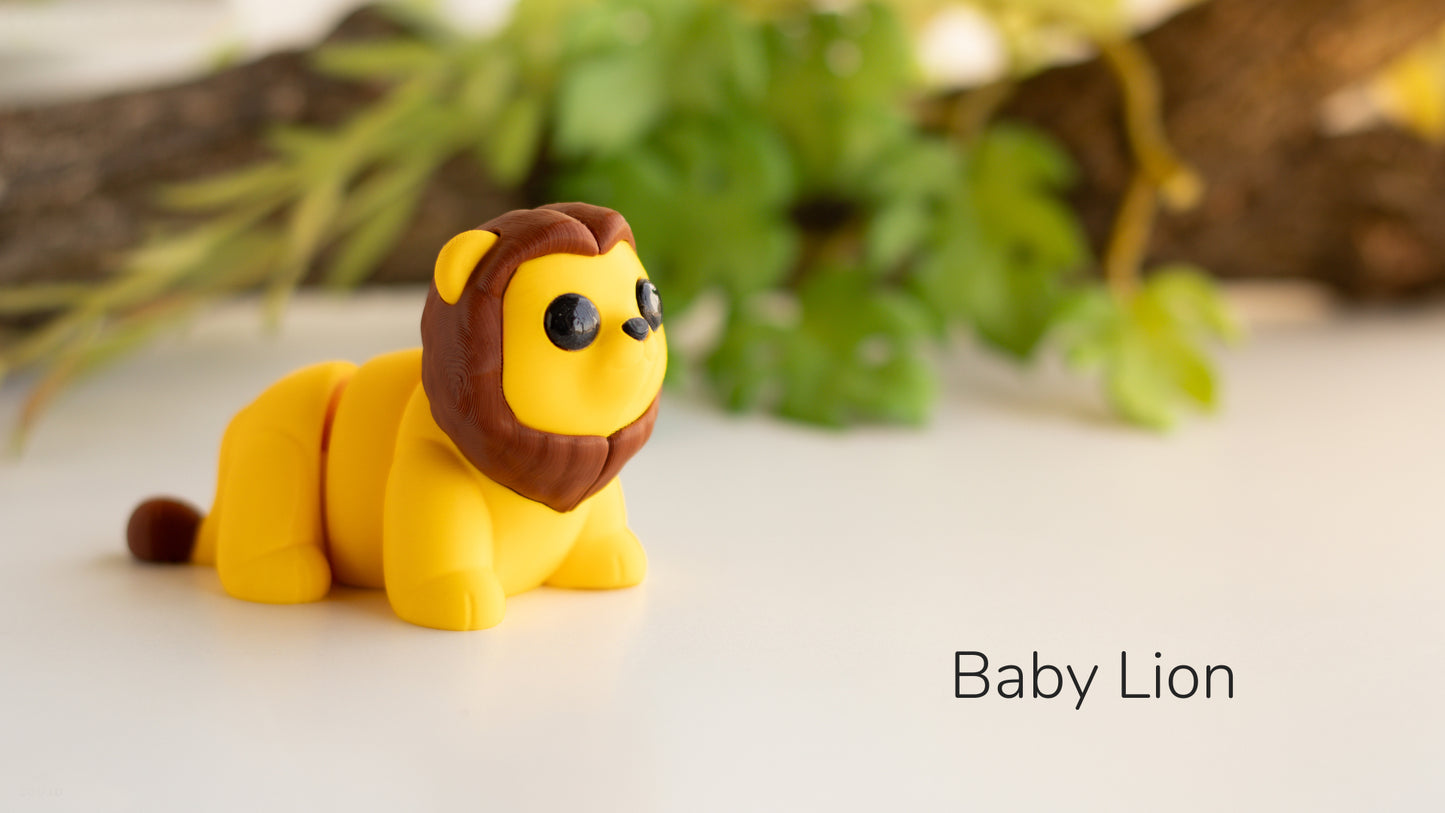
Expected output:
(479, 466)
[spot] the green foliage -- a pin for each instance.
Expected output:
(839, 352)
(773, 160)
(925, 232)
(1006, 246)
(1149, 344)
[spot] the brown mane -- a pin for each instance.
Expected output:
(461, 364)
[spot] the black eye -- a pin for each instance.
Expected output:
(649, 304)
(572, 321)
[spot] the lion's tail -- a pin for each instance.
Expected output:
(162, 529)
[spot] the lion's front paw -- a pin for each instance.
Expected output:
(461, 600)
(603, 564)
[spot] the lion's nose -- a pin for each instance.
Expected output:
(636, 327)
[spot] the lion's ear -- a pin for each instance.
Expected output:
(457, 260)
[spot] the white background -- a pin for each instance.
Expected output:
(793, 646)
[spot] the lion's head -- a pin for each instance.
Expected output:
(543, 351)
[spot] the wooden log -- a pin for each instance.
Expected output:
(1244, 84)
(78, 180)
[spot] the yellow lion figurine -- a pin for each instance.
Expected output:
(474, 468)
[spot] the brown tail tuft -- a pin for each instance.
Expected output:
(162, 530)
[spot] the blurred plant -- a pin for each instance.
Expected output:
(773, 158)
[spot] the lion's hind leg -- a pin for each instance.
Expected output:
(270, 540)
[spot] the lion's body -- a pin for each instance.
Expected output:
(306, 482)
(544, 351)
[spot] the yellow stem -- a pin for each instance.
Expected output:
(42, 296)
(1130, 237)
(1180, 186)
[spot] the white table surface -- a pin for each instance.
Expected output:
(793, 646)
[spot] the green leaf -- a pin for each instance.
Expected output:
(489, 79)
(41, 296)
(262, 182)
(895, 232)
(515, 139)
(908, 386)
(1149, 347)
(382, 187)
(853, 353)
(1138, 386)
(421, 18)
(309, 223)
(1005, 246)
(837, 82)
(607, 102)
(747, 59)
(1189, 371)
(1084, 323)
(301, 145)
(171, 259)
(718, 63)
(1024, 152)
(1191, 297)
(922, 168)
(358, 254)
(745, 363)
(378, 60)
(886, 60)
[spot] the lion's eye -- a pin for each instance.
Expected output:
(649, 304)
(572, 321)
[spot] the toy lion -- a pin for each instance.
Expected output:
(474, 468)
